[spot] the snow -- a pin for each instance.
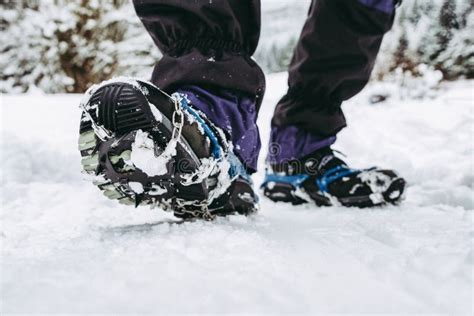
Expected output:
(156, 114)
(137, 187)
(67, 249)
(143, 155)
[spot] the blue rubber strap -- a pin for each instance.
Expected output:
(295, 180)
(323, 181)
(216, 148)
(332, 175)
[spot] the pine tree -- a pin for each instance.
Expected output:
(428, 45)
(66, 46)
(448, 23)
(415, 13)
(402, 57)
(458, 58)
(448, 17)
(90, 56)
(465, 9)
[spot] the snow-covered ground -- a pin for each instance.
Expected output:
(66, 248)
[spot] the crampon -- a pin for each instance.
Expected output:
(142, 146)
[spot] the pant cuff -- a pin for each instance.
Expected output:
(289, 143)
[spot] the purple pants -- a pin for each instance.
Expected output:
(207, 48)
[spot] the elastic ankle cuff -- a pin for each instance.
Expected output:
(207, 46)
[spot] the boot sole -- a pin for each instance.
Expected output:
(121, 108)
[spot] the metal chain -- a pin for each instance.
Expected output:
(200, 209)
(206, 215)
(177, 120)
(99, 130)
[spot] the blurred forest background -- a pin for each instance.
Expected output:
(65, 46)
